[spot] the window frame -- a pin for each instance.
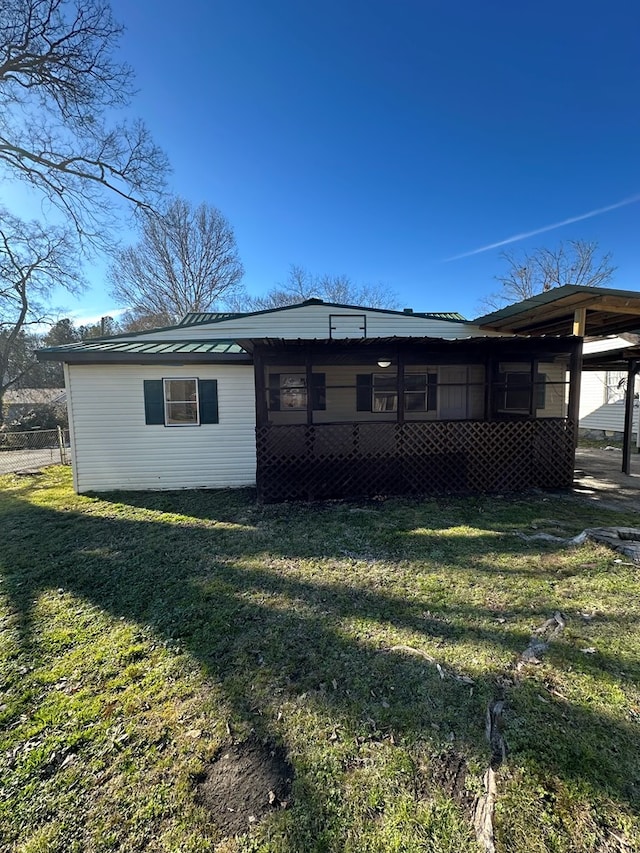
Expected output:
(292, 390)
(429, 393)
(392, 393)
(536, 392)
(167, 402)
(318, 390)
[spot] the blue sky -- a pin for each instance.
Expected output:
(380, 139)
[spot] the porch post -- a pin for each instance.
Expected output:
(532, 388)
(308, 363)
(260, 388)
(579, 322)
(262, 416)
(489, 367)
(628, 415)
(400, 386)
(575, 374)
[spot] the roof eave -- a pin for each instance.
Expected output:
(144, 358)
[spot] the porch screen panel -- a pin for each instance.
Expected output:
(453, 393)
(556, 390)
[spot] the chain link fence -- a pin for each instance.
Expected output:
(33, 449)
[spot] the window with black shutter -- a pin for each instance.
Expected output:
(181, 401)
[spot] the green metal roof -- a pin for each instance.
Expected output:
(195, 318)
(150, 346)
(608, 311)
(441, 315)
(555, 294)
(134, 350)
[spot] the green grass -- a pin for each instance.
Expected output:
(138, 629)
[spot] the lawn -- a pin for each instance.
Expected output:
(146, 637)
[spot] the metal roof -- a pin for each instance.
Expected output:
(196, 318)
(439, 315)
(201, 318)
(609, 311)
(613, 359)
(145, 350)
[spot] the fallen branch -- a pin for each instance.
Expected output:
(580, 539)
(483, 814)
(625, 540)
(485, 806)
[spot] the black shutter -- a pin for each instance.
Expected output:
(318, 392)
(208, 397)
(432, 392)
(153, 401)
(363, 392)
(274, 392)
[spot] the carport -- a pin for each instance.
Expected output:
(581, 311)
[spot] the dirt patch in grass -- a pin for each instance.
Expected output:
(448, 773)
(245, 782)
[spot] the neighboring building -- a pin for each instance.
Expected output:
(602, 392)
(321, 400)
(20, 402)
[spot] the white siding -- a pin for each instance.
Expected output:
(113, 448)
(609, 417)
(312, 321)
(593, 386)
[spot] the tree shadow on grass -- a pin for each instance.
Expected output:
(229, 590)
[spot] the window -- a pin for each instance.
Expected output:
(421, 392)
(615, 389)
(180, 402)
(293, 391)
(378, 392)
(516, 395)
(288, 392)
(385, 393)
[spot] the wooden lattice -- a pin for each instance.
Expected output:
(300, 462)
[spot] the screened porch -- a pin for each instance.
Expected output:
(371, 417)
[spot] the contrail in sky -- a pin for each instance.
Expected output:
(516, 237)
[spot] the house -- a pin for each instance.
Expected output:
(323, 400)
(19, 402)
(602, 392)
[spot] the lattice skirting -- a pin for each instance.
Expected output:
(299, 462)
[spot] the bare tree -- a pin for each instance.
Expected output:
(59, 87)
(186, 260)
(528, 273)
(33, 261)
(301, 285)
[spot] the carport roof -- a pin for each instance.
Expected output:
(614, 359)
(608, 311)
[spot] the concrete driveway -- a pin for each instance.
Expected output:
(599, 478)
(15, 461)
